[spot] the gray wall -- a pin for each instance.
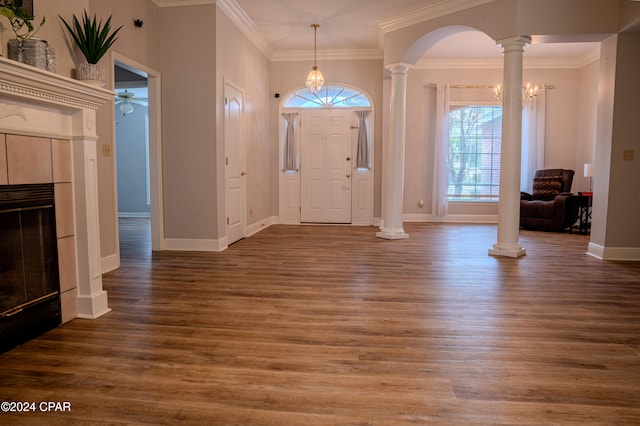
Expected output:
(188, 40)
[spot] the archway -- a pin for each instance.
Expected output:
(393, 186)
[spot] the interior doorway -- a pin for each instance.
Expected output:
(132, 140)
(137, 146)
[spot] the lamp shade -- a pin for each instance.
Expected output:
(588, 170)
(126, 107)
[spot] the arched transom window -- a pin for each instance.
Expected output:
(329, 96)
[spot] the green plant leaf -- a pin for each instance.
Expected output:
(92, 37)
(20, 19)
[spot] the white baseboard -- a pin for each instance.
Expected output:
(93, 306)
(451, 218)
(184, 244)
(375, 222)
(110, 263)
(595, 250)
(261, 225)
(614, 253)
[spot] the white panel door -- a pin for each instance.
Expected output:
(234, 164)
(325, 166)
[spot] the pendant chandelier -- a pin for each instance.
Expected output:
(529, 92)
(315, 80)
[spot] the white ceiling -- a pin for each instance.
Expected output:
(354, 28)
(344, 24)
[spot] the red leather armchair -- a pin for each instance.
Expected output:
(550, 207)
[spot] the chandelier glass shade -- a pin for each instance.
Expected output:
(315, 79)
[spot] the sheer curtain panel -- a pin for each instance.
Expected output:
(289, 160)
(362, 159)
(533, 139)
(441, 152)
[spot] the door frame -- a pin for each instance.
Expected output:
(155, 152)
(362, 181)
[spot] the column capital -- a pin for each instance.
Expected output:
(514, 42)
(398, 68)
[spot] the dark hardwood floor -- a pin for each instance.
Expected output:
(308, 325)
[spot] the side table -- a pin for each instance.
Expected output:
(583, 202)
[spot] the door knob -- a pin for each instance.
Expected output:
(348, 174)
(243, 173)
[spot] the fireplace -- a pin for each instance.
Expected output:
(29, 277)
(48, 135)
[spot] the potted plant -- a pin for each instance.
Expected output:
(25, 48)
(94, 40)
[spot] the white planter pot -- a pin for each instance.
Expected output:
(90, 73)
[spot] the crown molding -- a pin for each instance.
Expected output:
(178, 3)
(498, 63)
(446, 64)
(239, 17)
(554, 63)
(435, 10)
(234, 12)
(327, 55)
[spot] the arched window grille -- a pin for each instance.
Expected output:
(329, 96)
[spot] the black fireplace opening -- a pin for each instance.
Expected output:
(29, 279)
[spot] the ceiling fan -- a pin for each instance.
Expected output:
(126, 100)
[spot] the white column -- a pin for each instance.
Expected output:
(92, 299)
(393, 177)
(511, 151)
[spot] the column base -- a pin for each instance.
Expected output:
(92, 307)
(392, 234)
(507, 250)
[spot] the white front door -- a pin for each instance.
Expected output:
(325, 166)
(234, 164)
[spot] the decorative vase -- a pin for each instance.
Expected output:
(90, 73)
(34, 52)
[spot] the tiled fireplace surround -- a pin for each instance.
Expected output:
(48, 135)
(28, 159)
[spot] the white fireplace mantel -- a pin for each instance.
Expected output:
(35, 102)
